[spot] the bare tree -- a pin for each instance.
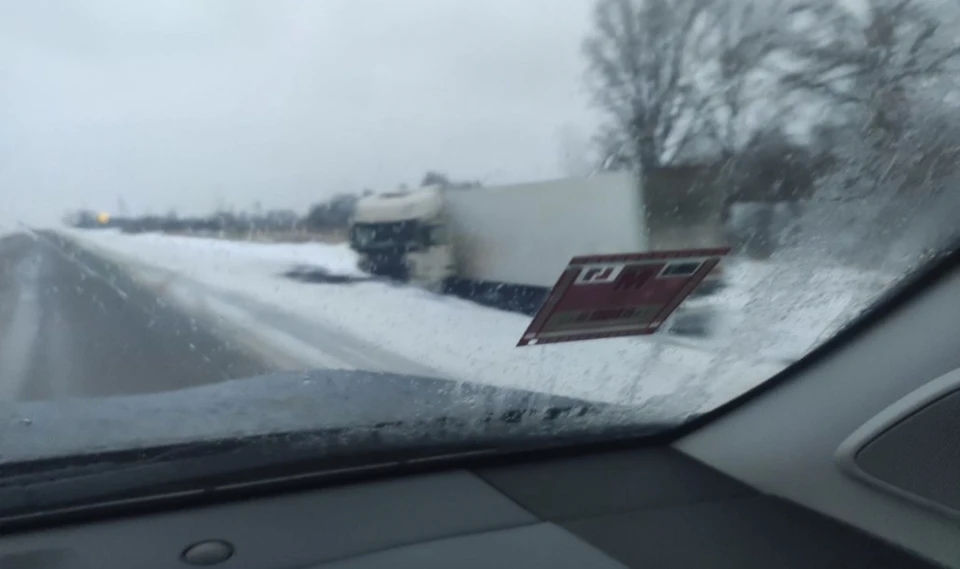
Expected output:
(881, 73)
(334, 213)
(874, 68)
(638, 57)
(437, 178)
(433, 178)
(615, 149)
(739, 36)
(676, 77)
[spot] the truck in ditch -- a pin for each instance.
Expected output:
(505, 246)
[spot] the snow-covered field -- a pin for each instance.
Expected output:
(771, 313)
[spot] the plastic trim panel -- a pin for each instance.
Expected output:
(784, 442)
(538, 546)
(846, 455)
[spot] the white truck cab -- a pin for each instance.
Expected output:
(402, 235)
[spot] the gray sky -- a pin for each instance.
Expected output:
(191, 103)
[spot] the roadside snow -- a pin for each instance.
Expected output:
(187, 253)
(769, 313)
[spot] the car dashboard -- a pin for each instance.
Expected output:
(652, 507)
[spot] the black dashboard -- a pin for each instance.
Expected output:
(635, 508)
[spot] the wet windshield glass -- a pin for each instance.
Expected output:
(227, 218)
(396, 234)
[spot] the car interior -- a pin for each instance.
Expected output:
(850, 458)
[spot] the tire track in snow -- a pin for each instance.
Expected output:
(19, 332)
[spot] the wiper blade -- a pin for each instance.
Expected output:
(216, 466)
(59, 468)
(363, 420)
(74, 466)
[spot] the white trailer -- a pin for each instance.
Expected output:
(527, 233)
(502, 245)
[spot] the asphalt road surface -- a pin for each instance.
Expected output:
(74, 325)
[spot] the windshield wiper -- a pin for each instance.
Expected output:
(364, 421)
(64, 467)
(40, 489)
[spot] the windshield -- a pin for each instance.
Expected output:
(536, 221)
(385, 235)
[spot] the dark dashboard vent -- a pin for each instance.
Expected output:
(921, 453)
(912, 448)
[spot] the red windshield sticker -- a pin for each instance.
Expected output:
(608, 296)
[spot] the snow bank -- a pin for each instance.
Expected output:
(189, 253)
(769, 313)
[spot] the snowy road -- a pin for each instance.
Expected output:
(77, 324)
(72, 325)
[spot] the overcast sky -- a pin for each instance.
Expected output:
(195, 103)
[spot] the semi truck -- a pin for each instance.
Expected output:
(505, 246)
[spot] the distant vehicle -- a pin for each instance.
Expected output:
(88, 219)
(505, 246)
